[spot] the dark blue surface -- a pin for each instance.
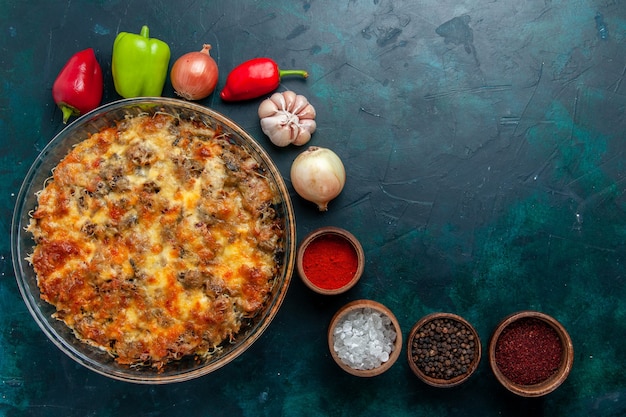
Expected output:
(484, 144)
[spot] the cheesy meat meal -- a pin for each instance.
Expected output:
(156, 239)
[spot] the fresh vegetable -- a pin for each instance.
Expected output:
(78, 87)
(139, 64)
(287, 118)
(194, 75)
(254, 78)
(318, 175)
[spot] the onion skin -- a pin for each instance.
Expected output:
(194, 75)
(318, 175)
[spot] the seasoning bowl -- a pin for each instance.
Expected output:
(539, 361)
(443, 349)
(358, 321)
(330, 260)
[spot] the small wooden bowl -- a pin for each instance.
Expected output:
(355, 306)
(443, 382)
(337, 232)
(553, 381)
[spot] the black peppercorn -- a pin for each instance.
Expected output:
(443, 349)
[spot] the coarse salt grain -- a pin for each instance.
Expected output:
(364, 339)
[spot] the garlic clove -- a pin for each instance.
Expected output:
(308, 125)
(290, 99)
(299, 104)
(278, 100)
(279, 132)
(294, 128)
(267, 108)
(307, 112)
(303, 137)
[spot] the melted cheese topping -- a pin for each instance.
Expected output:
(155, 239)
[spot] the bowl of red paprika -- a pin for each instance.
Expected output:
(330, 260)
(530, 353)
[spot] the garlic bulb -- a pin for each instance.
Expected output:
(318, 175)
(287, 118)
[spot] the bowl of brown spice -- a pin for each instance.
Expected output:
(443, 349)
(531, 353)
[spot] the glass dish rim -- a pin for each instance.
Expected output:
(73, 348)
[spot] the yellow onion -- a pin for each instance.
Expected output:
(318, 175)
(194, 75)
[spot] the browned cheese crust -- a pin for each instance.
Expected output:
(155, 239)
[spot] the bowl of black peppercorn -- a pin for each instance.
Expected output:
(443, 349)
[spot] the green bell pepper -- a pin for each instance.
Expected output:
(139, 64)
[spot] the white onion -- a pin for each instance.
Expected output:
(194, 75)
(318, 175)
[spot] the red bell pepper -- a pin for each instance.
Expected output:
(255, 78)
(78, 87)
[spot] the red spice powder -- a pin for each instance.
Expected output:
(330, 262)
(528, 351)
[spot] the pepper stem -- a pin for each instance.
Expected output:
(301, 73)
(68, 111)
(145, 32)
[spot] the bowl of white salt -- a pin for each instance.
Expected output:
(364, 338)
